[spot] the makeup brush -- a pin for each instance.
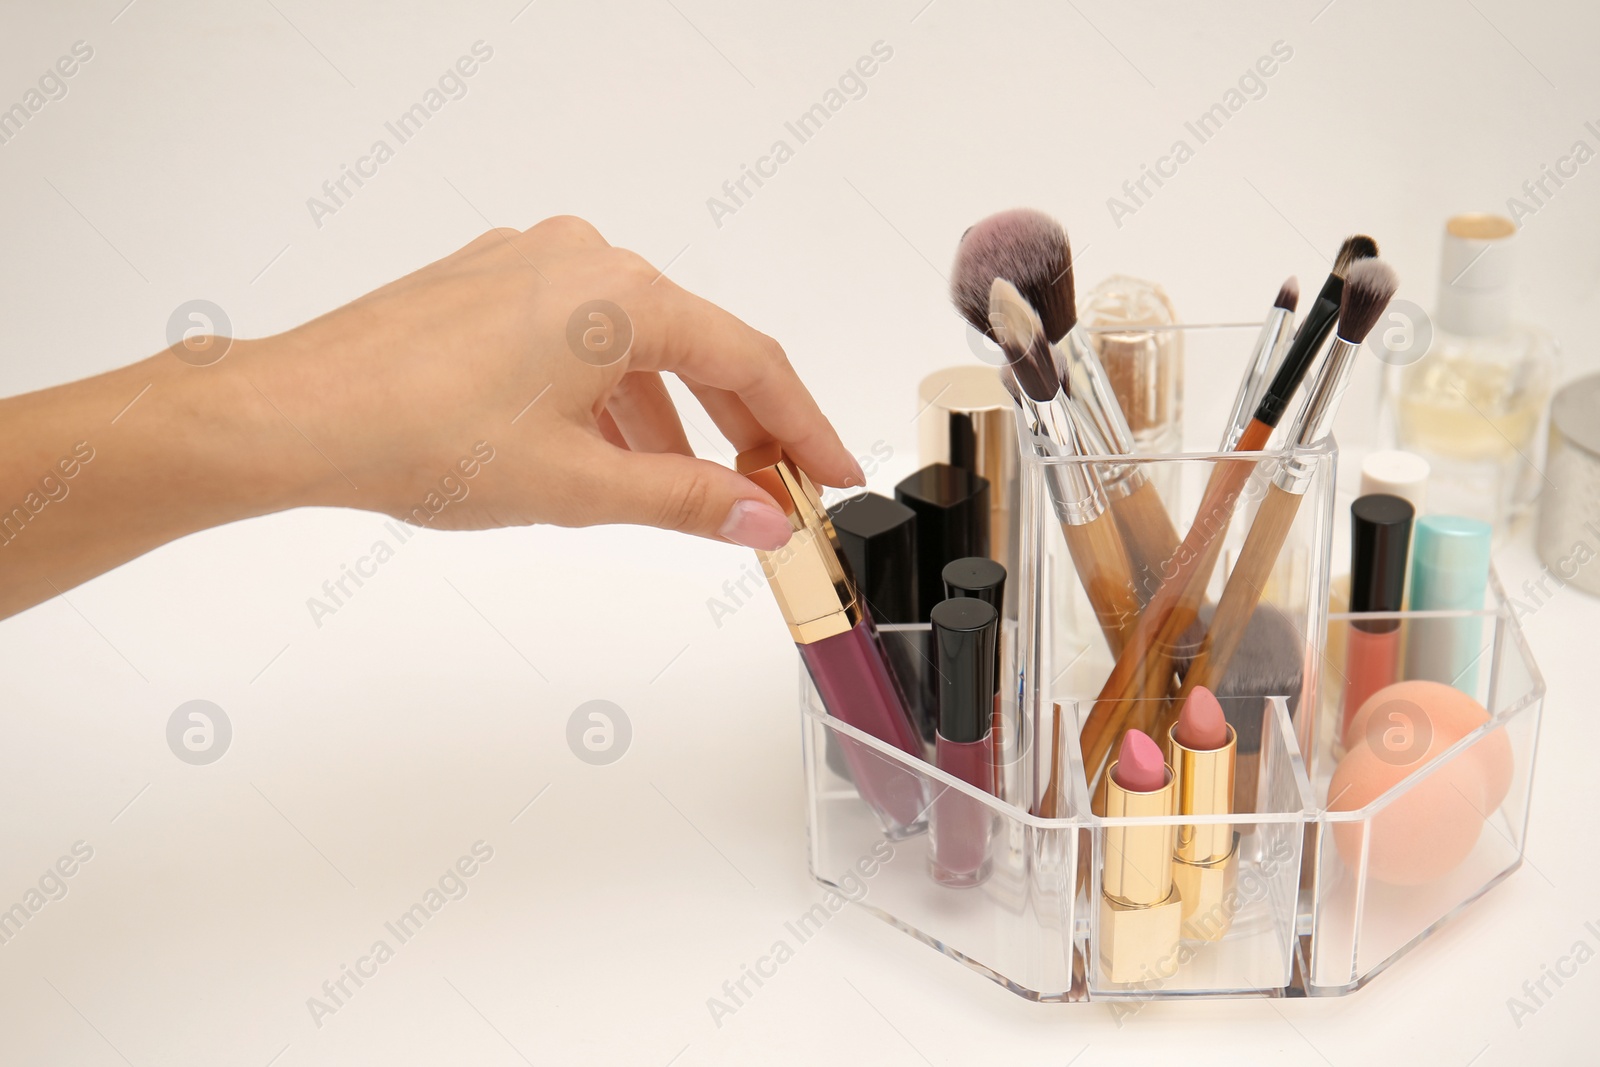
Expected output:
(1276, 332)
(1031, 250)
(1366, 292)
(1314, 329)
(1079, 499)
(1145, 665)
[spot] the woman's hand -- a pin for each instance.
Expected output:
(547, 346)
(515, 381)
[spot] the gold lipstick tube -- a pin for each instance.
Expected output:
(1141, 912)
(1205, 862)
(808, 576)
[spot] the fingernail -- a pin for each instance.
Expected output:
(861, 475)
(756, 525)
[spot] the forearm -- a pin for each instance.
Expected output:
(393, 403)
(97, 472)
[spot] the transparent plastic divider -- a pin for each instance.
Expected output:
(1067, 656)
(1031, 925)
(1255, 917)
(1015, 926)
(1453, 824)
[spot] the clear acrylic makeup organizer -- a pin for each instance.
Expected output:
(1308, 917)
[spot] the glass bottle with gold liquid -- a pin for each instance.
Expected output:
(1471, 406)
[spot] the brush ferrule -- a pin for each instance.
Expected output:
(1091, 388)
(1315, 420)
(1319, 320)
(1276, 332)
(1074, 491)
(1118, 479)
(1103, 425)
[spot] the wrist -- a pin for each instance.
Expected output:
(231, 428)
(286, 446)
(101, 471)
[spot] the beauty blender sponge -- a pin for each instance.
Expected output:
(1446, 711)
(1432, 825)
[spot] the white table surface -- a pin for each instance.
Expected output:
(371, 752)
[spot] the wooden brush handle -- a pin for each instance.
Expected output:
(1175, 605)
(1107, 577)
(1147, 530)
(1155, 717)
(1243, 591)
(1050, 801)
(1139, 705)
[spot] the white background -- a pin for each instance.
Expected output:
(370, 753)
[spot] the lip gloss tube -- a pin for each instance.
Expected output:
(1141, 912)
(965, 632)
(984, 579)
(1380, 536)
(839, 643)
(878, 537)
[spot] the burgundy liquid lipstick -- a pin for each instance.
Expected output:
(839, 643)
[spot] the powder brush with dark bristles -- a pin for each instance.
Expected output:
(1018, 331)
(1368, 288)
(1030, 250)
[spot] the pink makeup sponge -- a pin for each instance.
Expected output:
(1444, 710)
(1433, 824)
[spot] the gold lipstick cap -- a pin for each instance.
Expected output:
(1141, 911)
(809, 576)
(1205, 861)
(968, 420)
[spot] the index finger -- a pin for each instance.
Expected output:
(679, 332)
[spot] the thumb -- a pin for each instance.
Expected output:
(676, 492)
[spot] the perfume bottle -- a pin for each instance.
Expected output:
(1471, 406)
(1130, 321)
